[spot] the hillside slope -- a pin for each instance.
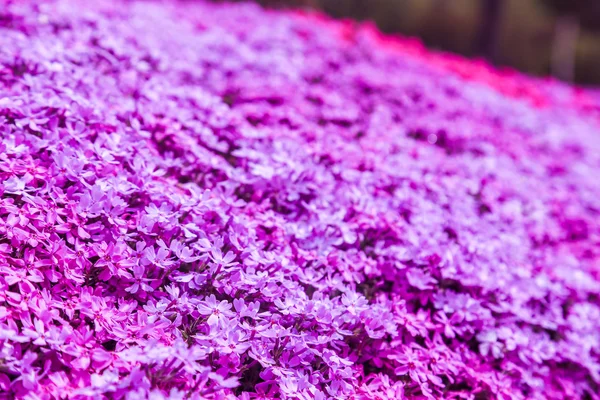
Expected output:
(217, 201)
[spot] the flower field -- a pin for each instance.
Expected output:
(203, 201)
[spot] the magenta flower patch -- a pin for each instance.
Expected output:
(219, 202)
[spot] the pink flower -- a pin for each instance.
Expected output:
(139, 281)
(35, 331)
(409, 364)
(217, 311)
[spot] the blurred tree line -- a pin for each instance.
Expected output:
(560, 37)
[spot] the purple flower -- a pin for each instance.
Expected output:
(217, 311)
(489, 344)
(139, 281)
(156, 258)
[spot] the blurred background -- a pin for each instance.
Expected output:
(540, 37)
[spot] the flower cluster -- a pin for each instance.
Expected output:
(216, 201)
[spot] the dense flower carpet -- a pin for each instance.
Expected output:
(203, 201)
